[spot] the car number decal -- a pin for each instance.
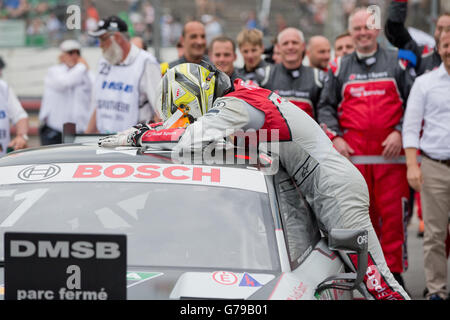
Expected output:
(27, 199)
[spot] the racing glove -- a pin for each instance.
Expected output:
(129, 137)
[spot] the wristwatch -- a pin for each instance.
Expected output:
(25, 137)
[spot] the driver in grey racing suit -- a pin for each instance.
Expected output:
(331, 184)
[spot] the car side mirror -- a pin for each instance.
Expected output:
(348, 240)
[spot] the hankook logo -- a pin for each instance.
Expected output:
(39, 172)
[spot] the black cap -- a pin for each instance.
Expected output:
(110, 24)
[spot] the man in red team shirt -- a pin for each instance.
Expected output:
(362, 107)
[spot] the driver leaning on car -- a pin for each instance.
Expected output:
(331, 184)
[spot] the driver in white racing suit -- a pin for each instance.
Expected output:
(331, 184)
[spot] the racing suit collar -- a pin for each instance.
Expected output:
(261, 64)
(368, 59)
(294, 73)
(231, 88)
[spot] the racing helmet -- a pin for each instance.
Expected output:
(191, 87)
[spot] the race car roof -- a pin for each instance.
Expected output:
(90, 163)
(90, 152)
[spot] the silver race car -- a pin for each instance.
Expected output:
(193, 231)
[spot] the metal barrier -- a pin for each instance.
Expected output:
(380, 160)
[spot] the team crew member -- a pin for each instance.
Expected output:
(250, 43)
(222, 53)
(291, 79)
(429, 103)
(272, 54)
(125, 87)
(319, 52)
(343, 45)
(276, 55)
(425, 58)
(193, 43)
(362, 106)
(11, 111)
(331, 184)
(67, 94)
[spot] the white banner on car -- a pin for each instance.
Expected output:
(252, 180)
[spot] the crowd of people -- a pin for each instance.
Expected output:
(371, 102)
(42, 19)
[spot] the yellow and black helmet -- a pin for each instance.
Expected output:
(192, 87)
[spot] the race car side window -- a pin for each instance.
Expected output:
(299, 223)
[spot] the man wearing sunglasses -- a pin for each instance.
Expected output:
(127, 77)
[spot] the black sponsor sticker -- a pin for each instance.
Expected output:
(53, 266)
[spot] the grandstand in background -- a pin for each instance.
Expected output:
(31, 30)
(39, 23)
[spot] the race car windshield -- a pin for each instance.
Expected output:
(166, 224)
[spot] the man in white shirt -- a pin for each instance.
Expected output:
(127, 79)
(429, 102)
(67, 94)
(11, 111)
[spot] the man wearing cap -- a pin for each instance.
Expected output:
(124, 92)
(67, 94)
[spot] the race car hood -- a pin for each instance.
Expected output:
(165, 283)
(182, 284)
